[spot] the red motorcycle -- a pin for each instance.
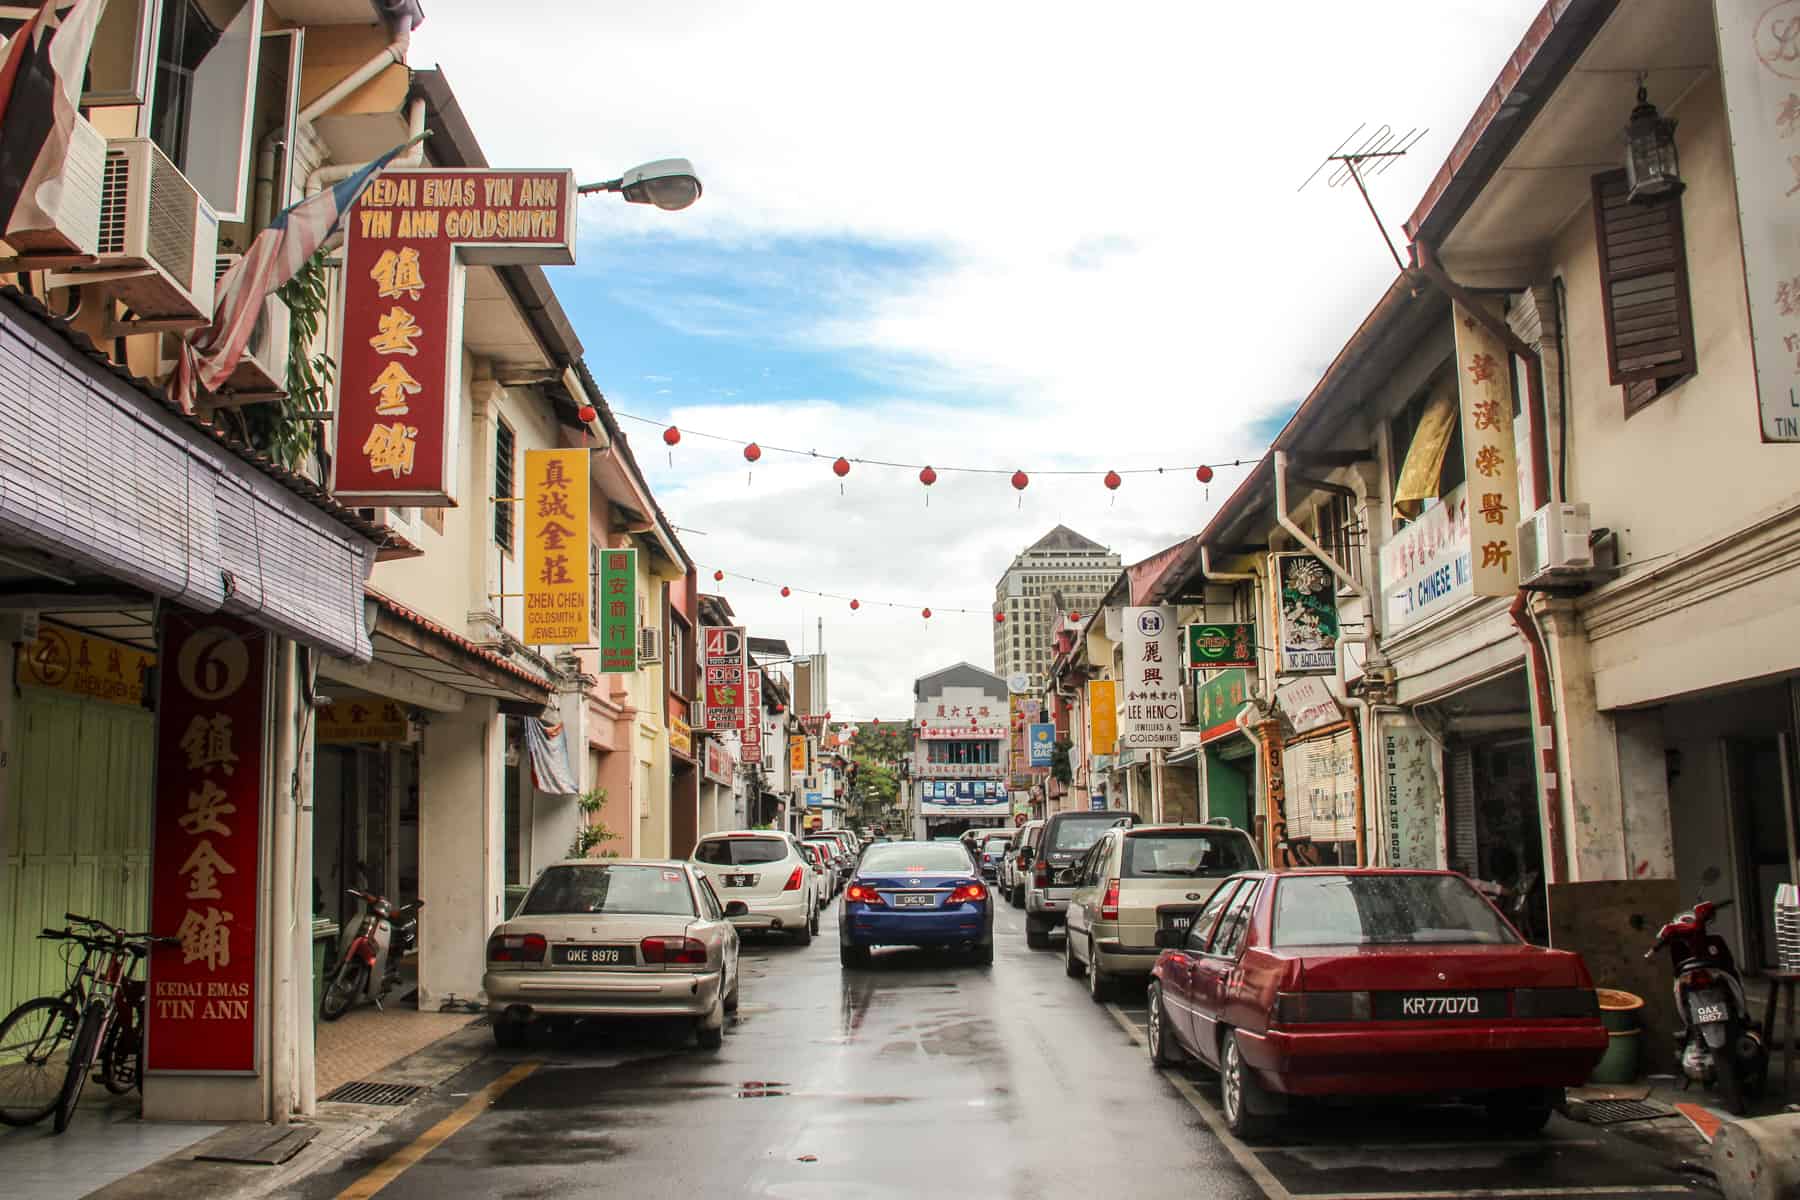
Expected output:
(369, 966)
(1720, 1045)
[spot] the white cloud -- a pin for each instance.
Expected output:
(1119, 263)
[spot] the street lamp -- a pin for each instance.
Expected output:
(668, 183)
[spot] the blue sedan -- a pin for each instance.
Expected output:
(916, 894)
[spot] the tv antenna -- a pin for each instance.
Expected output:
(1372, 156)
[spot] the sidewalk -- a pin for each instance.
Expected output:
(1678, 1137)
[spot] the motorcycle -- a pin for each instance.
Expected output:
(370, 965)
(1720, 1045)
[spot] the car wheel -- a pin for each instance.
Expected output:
(812, 926)
(509, 1035)
(1165, 1051)
(803, 935)
(1018, 896)
(982, 955)
(1037, 933)
(1071, 964)
(1100, 984)
(731, 998)
(853, 956)
(1519, 1114)
(1239, 1092)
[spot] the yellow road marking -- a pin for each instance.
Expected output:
(404, 1158)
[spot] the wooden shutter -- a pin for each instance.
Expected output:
(1643, 284)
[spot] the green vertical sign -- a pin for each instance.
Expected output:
(616, 599)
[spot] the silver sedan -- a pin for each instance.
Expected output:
(615, 938)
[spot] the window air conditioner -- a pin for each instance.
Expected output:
(262, 373)
(71, 233)
(158, 245)
(1553, 543)
(649, 646)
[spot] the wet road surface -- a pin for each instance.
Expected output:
(926, 1076)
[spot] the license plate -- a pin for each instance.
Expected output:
(740, 881)
(1706, 1014)
(1179, 920)
(594, 956)
(1438, 1006)
(915, 900)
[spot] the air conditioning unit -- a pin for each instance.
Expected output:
(261, 374)
(1553, 543)
(158, 246)
(649, 646)
(70, 234)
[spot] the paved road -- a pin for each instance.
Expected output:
(924, 1076)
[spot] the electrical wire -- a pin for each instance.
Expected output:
(729, 575)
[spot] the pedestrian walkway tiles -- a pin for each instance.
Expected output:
(364, 1041)
(103, 1144)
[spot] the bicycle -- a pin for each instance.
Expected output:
(49, 1045)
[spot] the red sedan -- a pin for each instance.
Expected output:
(1365, 982)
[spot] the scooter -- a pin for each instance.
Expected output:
(1720, 1045)
(370, 966)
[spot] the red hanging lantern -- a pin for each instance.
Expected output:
(1112, 482)
(785, 591)
(1020, 481)
(671, 439)
(587, 414)
(752, 452)
(928, 614)
(999, 618)
(841, 468)
(855, 604)
(1076, 617)
(1203, 473)
(927, 476)
(718, 577)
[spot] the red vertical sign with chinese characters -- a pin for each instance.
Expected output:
(723, 660)
(405, 243)
(751, 738)
(207, 835)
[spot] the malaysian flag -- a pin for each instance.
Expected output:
(40, 93)
(275, 257)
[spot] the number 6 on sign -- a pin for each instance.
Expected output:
(213, 663)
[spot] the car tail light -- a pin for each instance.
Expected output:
(1306, 1008)
(866, 895)
(675, 951)
(1040, 874)
(794, 881)
(1109, 904)
(1555, 1002)
(516, 947)
(968, 892)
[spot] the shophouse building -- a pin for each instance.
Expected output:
(960, 761)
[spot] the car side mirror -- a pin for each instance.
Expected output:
(736, 908)
(1170, 939)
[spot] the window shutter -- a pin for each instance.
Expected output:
(1643, 285)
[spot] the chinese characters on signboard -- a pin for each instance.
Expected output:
(1219, 700)
(1043, 744)
(1307, 625)
(84, 665)
(1211, 647)
(205, 876)
(618, 612)
(797, 756)
(724, 667)
(1308, 703)
(1490, 460)
(720, 762)
(1759, 63)
(556, 549)
(1152, 683)
(405, 245)
(681, 736)
(1425, 568)
(1407, 755)
(1321, 793)
(1103, 716)
(750, 738)
(366, 720)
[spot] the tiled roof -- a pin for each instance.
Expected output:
(445, 634)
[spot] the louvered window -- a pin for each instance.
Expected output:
(503, 486)
(1644, 291)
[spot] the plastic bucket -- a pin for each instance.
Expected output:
(1621, 1013)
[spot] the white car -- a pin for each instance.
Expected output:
(769, 872)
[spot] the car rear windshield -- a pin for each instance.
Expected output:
(1188, 854)
(940, 857)
(740, 852)
(1384, 910)
(605, 889)
(1081, 832)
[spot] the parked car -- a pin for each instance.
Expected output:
(1345, 982)
(916, 894)
(1018, 867)
(1137, 879)
(824, 869)
(615, 938)
(842, 861)
(1065, 837)
(991, 849)
(767, 871)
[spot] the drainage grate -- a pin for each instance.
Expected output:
(1612, 1112)
(365, 1091)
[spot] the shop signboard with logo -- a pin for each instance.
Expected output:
(1490, 456)
(720, 762)
(681, 736)
(1409, 781)
(1320, 799)
(82, 664)
(1103, 717)
(555, 521)
(407, 243)
(750, 738)
(724, 666)
(1043, 744)
(201, 1003)
(1308, 704)
(797, 755)
(1218, 701)
(618, 612)
(1217, 647)
(963, 798)
(1152, 682)
(369, 720)
(1306, 625)
(1425, 567)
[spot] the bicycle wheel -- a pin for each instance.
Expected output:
(81, 1061)
(119, 1056)
(35, 1041)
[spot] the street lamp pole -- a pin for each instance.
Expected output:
(668, 183)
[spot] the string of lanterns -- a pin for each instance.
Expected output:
(928, 474)
(787, 590)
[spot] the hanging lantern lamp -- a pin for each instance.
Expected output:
(999, 618)
(1021, 481)
(718, 577)
(671, 439)
(927, 476)
(855, 604)
(587, 414)
(1652, 167)
(785, 592)
(927, 614)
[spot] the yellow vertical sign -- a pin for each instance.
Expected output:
(797, 755)
(556, 547)
(1484, 381)
(1103, 717)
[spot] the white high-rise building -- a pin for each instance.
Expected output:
(1060, 573)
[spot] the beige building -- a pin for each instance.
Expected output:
(1062, 572)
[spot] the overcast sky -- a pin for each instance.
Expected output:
(1038, 235)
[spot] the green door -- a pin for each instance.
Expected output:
(77, 831)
